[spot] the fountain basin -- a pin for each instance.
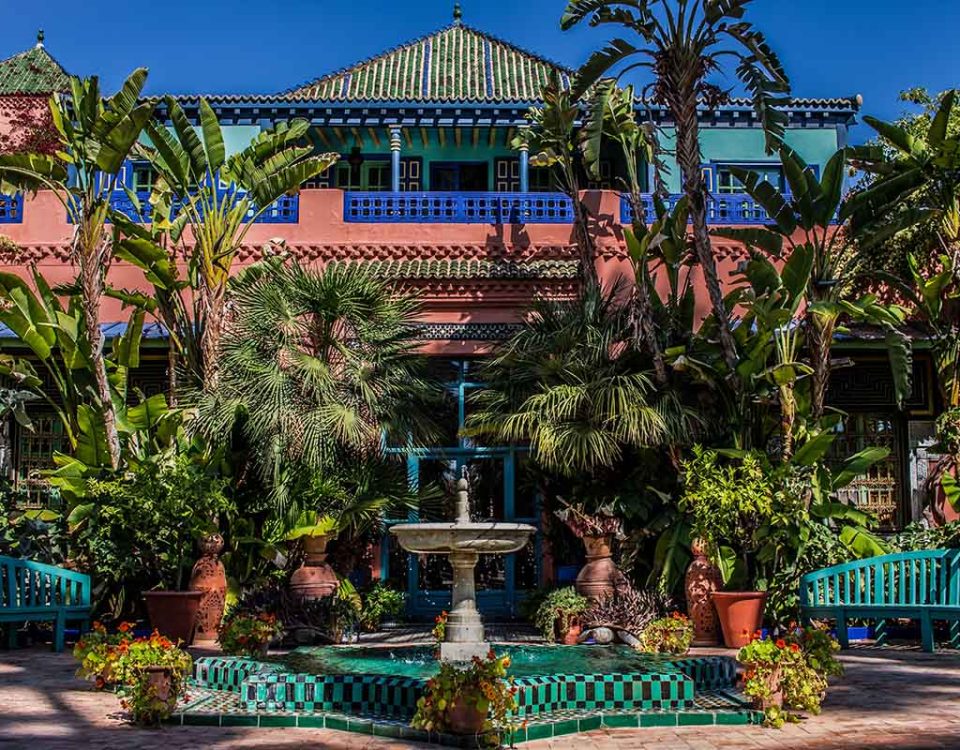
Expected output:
(490, 538)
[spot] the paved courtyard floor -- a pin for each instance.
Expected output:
(890, 698)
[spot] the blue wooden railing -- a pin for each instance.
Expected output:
(286, 210)
(11, 209)
(457, 208)
(721, 209)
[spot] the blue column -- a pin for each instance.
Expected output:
(524, 169)
(395, 159)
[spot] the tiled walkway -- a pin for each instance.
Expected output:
(889, 699)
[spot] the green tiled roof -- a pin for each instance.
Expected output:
(32, 72)
(455, 64)
(472, 269)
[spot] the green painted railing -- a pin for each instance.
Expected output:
(921, 585)
(32, 591)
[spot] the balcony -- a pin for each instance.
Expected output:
(11, 209)
(722, 210)
(286, 210)
(457, 208)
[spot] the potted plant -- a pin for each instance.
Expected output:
(99, 652)
(157, 671)
(248, 633)
(468, 700)
(668, 635)
(559, 615)
(600, 576)
(382, 605)
(314, 579)
(727, 505)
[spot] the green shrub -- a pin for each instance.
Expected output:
(559, 609)
(381, 602)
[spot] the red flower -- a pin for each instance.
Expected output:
(795, 647)
(781, 643)
(124, 627)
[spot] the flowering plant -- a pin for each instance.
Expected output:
(483, 686)
(100, 655)
(156, 671)
(439, 631)
(791, 671)
(245, 634)
(667, 635)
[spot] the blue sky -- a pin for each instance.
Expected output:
(829, 47)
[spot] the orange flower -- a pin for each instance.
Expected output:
(124, 627)
(795, 647)
(506, 662)
(781, 643)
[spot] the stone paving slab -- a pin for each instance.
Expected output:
(890, 698)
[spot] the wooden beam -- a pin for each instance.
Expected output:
(492, 137)
(340, 137)
(511, 132)
(357, 137)
(407, 137)
(442, 135)
(374, 137)
(475, 136)
(458, 136)
(424, 137)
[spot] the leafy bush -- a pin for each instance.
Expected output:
(137, 531)
(40, 535)
(243, 634)
(917, 536)
(559, 610)
(627, 609)
(668, 635)
(381, 602)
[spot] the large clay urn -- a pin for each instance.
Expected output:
(209, 577)
(314, 579)
(174, 613)
(702, 579)
(600, 576)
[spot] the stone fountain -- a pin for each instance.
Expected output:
(463, 541)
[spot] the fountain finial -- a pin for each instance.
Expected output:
(463, 498)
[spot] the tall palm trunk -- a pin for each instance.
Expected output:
(92, 253)
(684, 110)
(820, 340)
(213, 301)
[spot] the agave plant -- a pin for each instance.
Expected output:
(95, 136)
(683, 42)
(192, 167)
(316, 364)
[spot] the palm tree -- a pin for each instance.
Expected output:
(611, 116)
(95, 136)
(315, 365)
(683, 42)
(804, 222)
(552, 141)
(571, 386)
(192, 167)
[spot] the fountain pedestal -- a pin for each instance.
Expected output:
(464, 637)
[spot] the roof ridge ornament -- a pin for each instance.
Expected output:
(457, 13)
(40, 36)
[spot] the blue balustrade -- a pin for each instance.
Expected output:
(721, 209)
(11, 209)
(285, 210)
(457, 208)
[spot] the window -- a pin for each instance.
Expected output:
(372, 175)
(542, 180)
(144, 178)
(378, 176)
(728, 184)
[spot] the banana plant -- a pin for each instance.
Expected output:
(552, 141)
(96, 135)
(804, 220)
(192, 166)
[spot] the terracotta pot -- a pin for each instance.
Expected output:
(209, 577)
(314, 579)
(174, 613)
(740, 613)
(160, 680)
(600, 576)
(572, 636)
(465, 718)
(774, 687)
(702, 579)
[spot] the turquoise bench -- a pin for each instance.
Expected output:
(922, 586)
(34, 592)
